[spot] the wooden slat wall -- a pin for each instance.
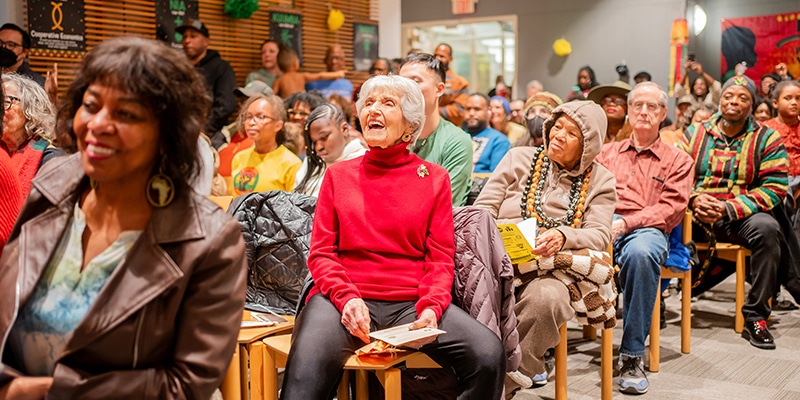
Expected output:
(237, 40)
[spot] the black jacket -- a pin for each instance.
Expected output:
(220, 83)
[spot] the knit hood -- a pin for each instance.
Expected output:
(591, 120)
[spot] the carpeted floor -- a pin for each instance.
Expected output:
(721, 364)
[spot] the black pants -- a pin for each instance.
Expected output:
(321, 345)
(762, 234)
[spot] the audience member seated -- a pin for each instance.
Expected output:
(538, 108)
(18, 41)
(653, 182)
(28, 129)
(703, 88)
(614, 100)
(10, 197)
(488, 145)
(768, 82)
(673, 133)
(501, 111)
(292, 138)
(763, 110)
(267, 165)
(532, 88)
(269, 64)
(696, 114)
(237, 139)
(293, 81)
(640, 77)
(572, 198)
(299, 105)
(453, 102)
(326, 133)
(220, 80)
(335, 62)
(372, 271)
(439, 142)
(586, 81)
(517, 111)
(133, 284)
(739, 186)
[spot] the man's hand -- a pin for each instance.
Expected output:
(427, 319)
(618, 227)
(781, 70)
(26, 388)
(707, 208)
(548, 243)
(355, 317)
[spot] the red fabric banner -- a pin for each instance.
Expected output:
(762, 42)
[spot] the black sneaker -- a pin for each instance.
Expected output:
(757, 333)
(632, 379)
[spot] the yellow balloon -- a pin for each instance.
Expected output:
(562, 47)
(335, 20)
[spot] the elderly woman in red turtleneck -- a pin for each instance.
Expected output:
(381, 255)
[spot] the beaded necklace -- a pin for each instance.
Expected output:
(532, 206)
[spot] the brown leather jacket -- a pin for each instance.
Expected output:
(165, 324)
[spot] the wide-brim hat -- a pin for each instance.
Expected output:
(193, 24)
(598, 93)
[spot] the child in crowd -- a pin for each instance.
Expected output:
(293, 139)
(786, 101)
(762, 110)
(293, 81)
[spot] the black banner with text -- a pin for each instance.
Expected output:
(287, 28)
(57, 25)
(171, 14)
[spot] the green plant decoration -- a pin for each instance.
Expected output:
(241, 8)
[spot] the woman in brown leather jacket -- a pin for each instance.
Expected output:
(118, 281)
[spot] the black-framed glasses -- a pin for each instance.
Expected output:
(613, 100)
(9, 45)
(9, 100)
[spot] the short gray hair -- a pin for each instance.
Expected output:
(412, 104)
(39, 112)
(662, 95)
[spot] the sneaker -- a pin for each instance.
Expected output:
(663, 313)
(632, 379)
(757, 333)
(540, 380)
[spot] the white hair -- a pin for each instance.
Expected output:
(39, 112)
(662, 95)
(412, 104)
(534, 83)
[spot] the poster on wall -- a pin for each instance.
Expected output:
(365, 45)
(762, 42)
(57, 26)
(287, 28)
(170, 14)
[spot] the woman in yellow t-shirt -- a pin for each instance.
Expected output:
(267, 165)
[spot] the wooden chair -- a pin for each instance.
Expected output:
(686, 305)
(385, 368)
(737, 254)
(222, 201)
(245, 377)
(606, 361)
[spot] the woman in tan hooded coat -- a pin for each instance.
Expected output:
(576, 201)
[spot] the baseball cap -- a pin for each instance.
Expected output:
(193, 24)
(253, 88)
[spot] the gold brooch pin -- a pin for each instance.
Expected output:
(422, 171)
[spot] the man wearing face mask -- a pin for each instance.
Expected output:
(18, 41)
(537, 109)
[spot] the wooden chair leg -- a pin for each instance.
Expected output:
(257, 384)
(655, 334)
(343, 392)
(561, 363)
(606, 364)
(686, 312)
(739, 317)
(271, 366)
(362, 385)
(589, 332)
(231, 384)
(390, 379)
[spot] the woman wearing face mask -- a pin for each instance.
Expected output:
(326, 131)
(381, 255)
(537, 109)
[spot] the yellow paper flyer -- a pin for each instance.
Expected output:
(518, 249)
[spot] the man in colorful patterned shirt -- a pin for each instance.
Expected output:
(740, 183)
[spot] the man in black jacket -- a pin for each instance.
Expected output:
(219, 76)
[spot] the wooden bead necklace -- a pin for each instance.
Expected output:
(532, 206)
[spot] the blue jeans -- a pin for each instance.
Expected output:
(640, 255)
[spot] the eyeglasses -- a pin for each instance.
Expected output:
(651, 107)
(261, 119)
(540, 111)
(616, 100)
(299, 113)
(9, 45)
(8, 101)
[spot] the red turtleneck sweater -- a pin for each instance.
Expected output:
(383, 230)
(10, 197)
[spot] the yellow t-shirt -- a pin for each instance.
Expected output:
(254, 172)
